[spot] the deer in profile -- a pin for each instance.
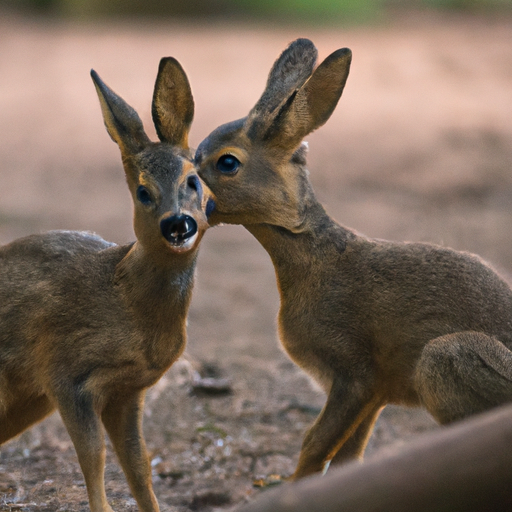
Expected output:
(373, 321)
(87, 325)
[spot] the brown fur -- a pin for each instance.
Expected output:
(87, 326)
(375, 322)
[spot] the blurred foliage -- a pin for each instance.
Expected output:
(309, 10)
(469, 5)
(314, 10)
(278, 10)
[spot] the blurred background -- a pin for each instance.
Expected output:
(419, 148)
(290, 10)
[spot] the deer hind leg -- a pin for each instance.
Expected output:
(123, 420)
(347, 408)
(463, 374)
(20, 415)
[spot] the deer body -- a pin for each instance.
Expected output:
(381, 323)
(374, 322)
(86, 325)
(36, 342)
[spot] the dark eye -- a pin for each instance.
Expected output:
(228, 164)
(143, 195)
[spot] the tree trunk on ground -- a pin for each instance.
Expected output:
(466, 467)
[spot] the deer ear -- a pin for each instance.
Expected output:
(122, 121)
(312, 105)
(173, 104)
(289, 72)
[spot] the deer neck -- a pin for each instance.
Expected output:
(295, 255)
(157, 293)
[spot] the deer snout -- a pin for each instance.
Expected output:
(178, 228)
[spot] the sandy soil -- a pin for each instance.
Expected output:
(418, 149)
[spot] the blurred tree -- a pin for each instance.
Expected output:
(469, 5)
(30, 5)
(279, 10)
(150, 8)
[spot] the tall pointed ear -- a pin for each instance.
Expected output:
(289, 72)
(173, 104)
(122, 122)
(312, 105)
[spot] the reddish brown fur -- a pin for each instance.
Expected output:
(88, 326)
(375, 322)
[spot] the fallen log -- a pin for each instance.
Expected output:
(466, 467)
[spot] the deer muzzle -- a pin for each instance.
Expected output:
(178, 228)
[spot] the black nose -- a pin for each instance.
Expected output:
(178, 228)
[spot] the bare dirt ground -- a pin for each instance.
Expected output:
(420, 148)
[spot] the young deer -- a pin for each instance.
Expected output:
(86, 325)
(374, 322)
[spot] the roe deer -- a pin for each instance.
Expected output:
(86, 325)
(374, 322)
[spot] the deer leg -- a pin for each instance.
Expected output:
(355, 445)
(341, 416)
(22, 414)
(84, 427)
(123, 421)
(463, 374)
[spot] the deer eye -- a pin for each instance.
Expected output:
(228, 164)
(143, 195)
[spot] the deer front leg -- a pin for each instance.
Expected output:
(355, 445)
(85, 429)
(123, 420)
(341, 416)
